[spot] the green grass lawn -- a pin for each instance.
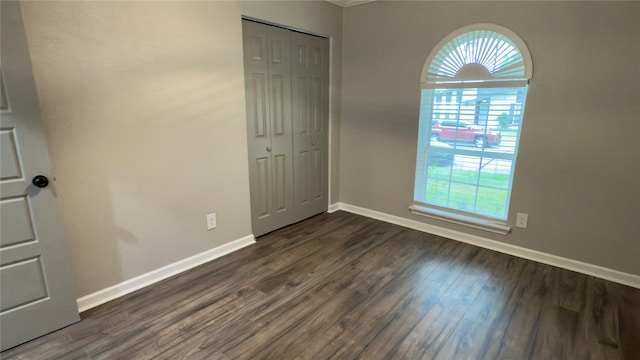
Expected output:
(488, 197)
(511, 134)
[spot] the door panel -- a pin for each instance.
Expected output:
(36, 291)
(262, 181)
(268, 97)
(311, 108)
(318, 161)
(287, 124)
(301, 106)
(10, 167)
(277, 85)
(301, 124)
(316, 112)
(15, 221)
(280, 182)
(258, 106)
(26, 279)
(303, 178)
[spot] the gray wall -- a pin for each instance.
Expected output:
(578, 170)
(145, 113)
(144, 108)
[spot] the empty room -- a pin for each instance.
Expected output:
(342, 179)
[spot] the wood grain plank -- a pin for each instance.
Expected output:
(412, 290)
(341, 286)
(629, 321)
(514, 332)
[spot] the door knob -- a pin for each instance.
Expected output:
(40, 181)
(313, 142)
(269, 148)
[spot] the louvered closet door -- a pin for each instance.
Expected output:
(310, 64)
(267, 64)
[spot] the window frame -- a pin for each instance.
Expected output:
(447, 84)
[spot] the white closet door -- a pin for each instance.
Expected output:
(287, 88)
(268, 94)
(310, 124)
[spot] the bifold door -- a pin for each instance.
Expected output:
(286, 81)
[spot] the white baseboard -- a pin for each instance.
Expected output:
(565, 263)
(102, 296)
(112, 292)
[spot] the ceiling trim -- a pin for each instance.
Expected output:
(347, 3)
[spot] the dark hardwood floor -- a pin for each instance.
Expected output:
(341, 286)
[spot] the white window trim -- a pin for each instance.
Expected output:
(520, 44)
(494, 226)
(497, 226)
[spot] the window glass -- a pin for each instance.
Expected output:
(472, 104)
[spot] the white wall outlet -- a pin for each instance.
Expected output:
(522, 220)
(212, 222)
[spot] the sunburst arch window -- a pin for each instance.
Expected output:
(481, 52)
(474, 88)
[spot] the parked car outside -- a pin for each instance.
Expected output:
(464, 131)
(439, 158)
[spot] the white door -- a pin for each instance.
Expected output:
(268, 94)
(36, 289)
(310, 68)
(287, 92)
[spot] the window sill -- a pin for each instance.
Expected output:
(482, 224)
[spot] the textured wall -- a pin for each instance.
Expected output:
(145, 113)
(144, 108)
(578, 170)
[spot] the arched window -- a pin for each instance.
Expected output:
(474, 89)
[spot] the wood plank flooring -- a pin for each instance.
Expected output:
(341, 286)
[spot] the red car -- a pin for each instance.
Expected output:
(452, 130)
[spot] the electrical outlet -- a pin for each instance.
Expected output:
(212, 222)
(522, 220)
